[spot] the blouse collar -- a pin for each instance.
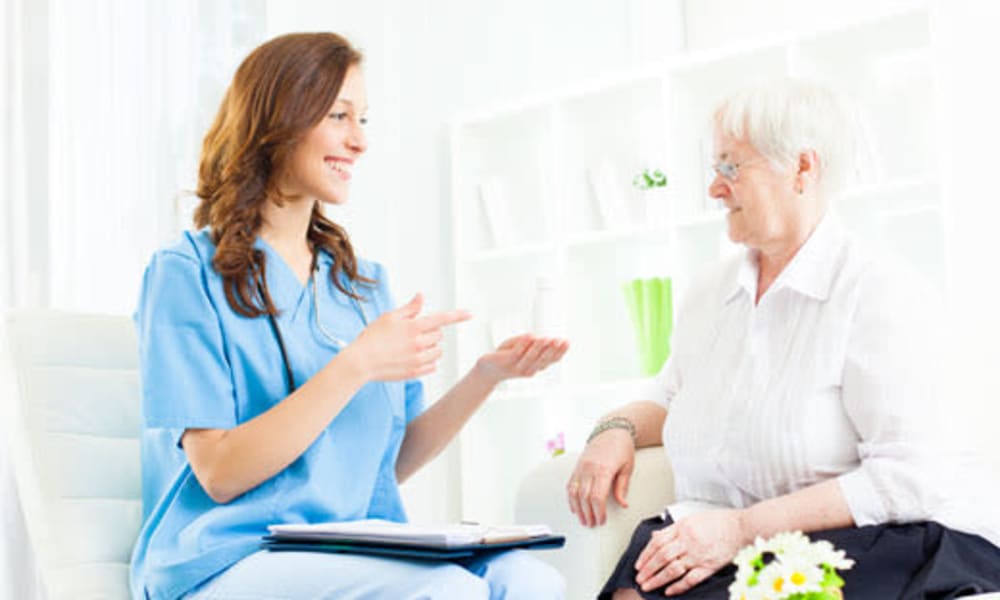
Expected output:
(811, 271)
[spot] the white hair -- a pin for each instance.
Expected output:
(784, 118)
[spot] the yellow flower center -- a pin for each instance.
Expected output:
(798, 578)
(778, 584)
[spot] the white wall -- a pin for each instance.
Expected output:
(968, 29)
(723, 23)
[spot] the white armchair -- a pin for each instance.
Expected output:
(73, 428)
(590, 554)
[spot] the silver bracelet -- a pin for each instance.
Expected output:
(615, 423)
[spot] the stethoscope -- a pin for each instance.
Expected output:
(336, 341)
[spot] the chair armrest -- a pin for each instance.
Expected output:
(591, 554)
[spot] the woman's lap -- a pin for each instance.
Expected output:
(317, 575)
(918, 560)
(517, 574)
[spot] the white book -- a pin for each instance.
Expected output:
(608, 194)
(387, 532)
(497, 212)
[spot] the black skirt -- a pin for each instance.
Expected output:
(913, 561)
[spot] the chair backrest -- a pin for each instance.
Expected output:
(591, 554)
(74, 430)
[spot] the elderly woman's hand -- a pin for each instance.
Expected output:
(605, 464)
(691, 550)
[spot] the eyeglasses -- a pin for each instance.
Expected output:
(730, 170)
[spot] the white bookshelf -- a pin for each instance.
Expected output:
(547, 154)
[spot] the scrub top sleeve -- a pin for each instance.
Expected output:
(384, 300)
(186, 380)
(414, 399)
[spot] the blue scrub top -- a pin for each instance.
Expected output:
(205, 366)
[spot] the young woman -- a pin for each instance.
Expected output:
(279, 381)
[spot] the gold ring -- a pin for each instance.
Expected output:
(574, 485)
(678, 560)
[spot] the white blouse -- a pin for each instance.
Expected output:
(833, 374)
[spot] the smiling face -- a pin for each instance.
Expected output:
(763, 203)
(320, 166)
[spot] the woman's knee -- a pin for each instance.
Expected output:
(450, 582)
(515, 575)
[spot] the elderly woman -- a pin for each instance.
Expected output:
(801, 392)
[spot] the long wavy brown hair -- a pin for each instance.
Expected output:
(280, 91)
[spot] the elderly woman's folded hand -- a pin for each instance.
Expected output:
(688, 552)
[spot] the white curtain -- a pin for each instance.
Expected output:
(102, 109)
(134, 85)
(17, 570)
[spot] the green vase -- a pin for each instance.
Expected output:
(650, 305)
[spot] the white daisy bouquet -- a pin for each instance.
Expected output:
(789, 567)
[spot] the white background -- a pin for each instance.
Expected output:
(104, 103)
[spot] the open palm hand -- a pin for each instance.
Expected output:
(521, 356)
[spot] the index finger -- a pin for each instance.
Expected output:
(441, 319)
(599, 498)
(657, 540)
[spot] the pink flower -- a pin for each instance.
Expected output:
(556, 445)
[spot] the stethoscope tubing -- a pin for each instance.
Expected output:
(336, 341)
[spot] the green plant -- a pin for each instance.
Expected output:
(649, 179)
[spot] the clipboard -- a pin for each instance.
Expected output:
(413, 551)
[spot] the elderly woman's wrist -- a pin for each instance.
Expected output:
(745, 522)
(620, 424)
